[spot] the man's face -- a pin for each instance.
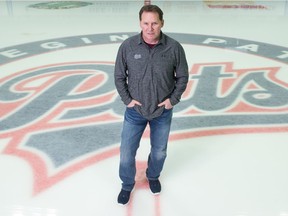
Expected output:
(151, 27)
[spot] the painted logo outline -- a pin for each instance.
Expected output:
(266, 122)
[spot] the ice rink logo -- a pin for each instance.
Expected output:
(58, 5)
(61, 112)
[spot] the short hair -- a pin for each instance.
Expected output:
(151, 8)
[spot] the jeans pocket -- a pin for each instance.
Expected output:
(167, 110)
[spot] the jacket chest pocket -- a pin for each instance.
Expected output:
(164, 66)
(136, 64)
(166, 61)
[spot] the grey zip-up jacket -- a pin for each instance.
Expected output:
(150, 75)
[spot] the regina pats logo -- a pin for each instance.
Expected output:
(64, 116)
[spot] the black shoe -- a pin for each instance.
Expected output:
(155, 186)
(123, 197)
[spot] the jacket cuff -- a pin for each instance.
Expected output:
(174, 101)
(127, 101)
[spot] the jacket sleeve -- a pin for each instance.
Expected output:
(181, 76)
(121, 76)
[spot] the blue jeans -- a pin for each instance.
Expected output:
(133, 128)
